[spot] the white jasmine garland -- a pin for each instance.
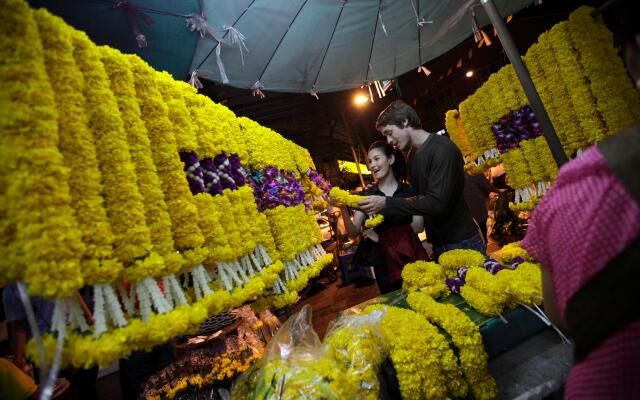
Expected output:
(99, 320)
(115, 313)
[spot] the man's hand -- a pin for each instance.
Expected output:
(373, 204)
(371, 235)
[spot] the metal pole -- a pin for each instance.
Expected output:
(526, 82)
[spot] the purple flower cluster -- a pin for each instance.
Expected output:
(319, 180)
(194, 172)
(492, 265)
(516, 261)
(212, 175)
(455, 284)
(515, 127)
(273, 187)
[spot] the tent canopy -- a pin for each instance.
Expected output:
(291, 45)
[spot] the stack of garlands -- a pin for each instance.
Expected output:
(487, 286)
(144, 182)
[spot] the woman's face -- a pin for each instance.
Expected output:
(379, 164)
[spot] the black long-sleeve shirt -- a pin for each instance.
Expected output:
(437, 173)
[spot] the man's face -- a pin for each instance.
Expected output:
(397, 137)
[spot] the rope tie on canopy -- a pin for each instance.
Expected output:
(239, 38)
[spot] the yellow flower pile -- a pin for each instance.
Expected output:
(93, 192)
(343, 197)
(425, 276)
(373, 222)
(453, 259)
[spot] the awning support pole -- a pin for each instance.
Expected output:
(525, 80)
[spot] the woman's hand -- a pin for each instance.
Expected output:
(371, 235)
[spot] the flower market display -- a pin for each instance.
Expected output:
(168, 206)
(586, 92)
(435, 348)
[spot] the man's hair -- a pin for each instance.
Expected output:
(396, 113)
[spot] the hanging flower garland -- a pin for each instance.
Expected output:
(125, 204)
(186, 233)
(83, 351)
(265, 147)
(617, 101)
(455, 128)
(118, 69)
(179, 114)
(41, 245)
(554, 95)
(579, 91)
(78, 148)
(465, 335)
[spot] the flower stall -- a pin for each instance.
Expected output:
(119, 178)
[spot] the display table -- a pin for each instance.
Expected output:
(527, 358)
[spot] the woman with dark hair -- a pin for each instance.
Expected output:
(393, 243)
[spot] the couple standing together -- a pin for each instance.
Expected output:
(434, 200)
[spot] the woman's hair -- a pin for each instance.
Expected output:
(399, 167)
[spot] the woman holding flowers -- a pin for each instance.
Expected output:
(394, 242)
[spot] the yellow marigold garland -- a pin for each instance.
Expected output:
(78, 148)
(453, 123)
(523, 284)
(373, 222)
(265, 147)
(465, 335)
(579, 90)
(424, 276)
(513, 250)
(453, 259)
(41, 245)
(346, 198)
(186, 234)
(616, 99)
(118, 68)
(425, 364)
(172, 92)
(484, 292)
(549, 83)
(125, 204)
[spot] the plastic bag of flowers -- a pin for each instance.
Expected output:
(296, 366)
(357, 343)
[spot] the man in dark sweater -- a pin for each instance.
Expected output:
(437, 173)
